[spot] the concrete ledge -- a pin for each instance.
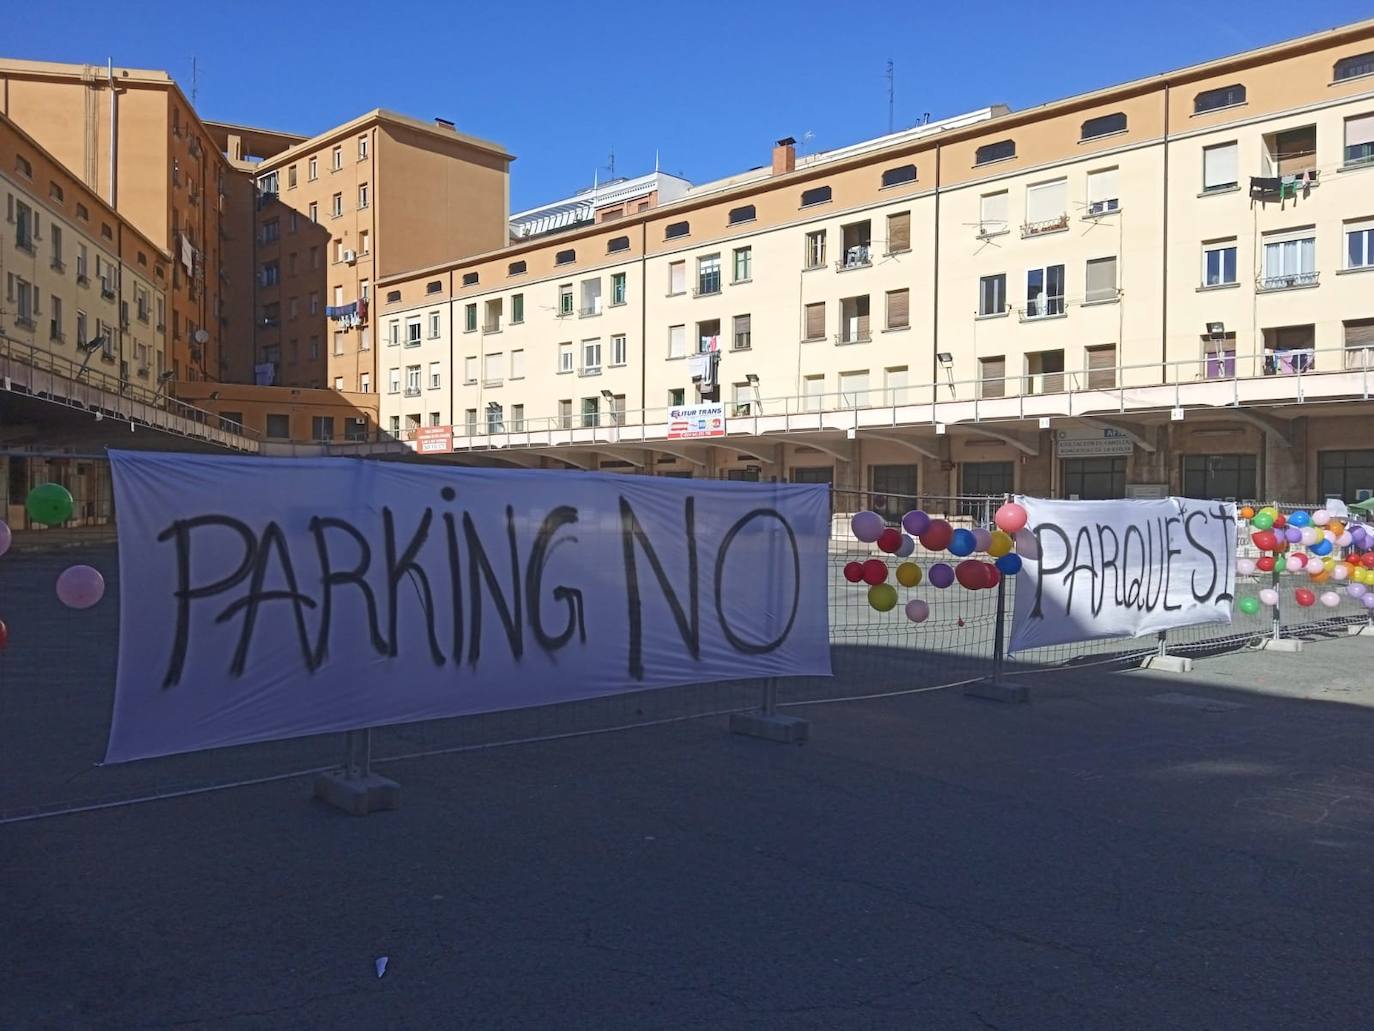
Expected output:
(770, 727)
(1168, 663)
(1361, 631)
(1283, 644)
(998, 691)
(371, 793)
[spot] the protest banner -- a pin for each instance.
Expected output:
(264, 598)
(1122, 568)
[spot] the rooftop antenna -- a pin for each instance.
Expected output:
(891, 93)
(195, 81)
(925, 118)
(655, 160)
(611, 163)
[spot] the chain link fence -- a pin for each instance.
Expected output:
(57, 675)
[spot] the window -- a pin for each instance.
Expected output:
(1045, 292)
(517, 308)
(744, 213)
(517, 417)
(1047, 206)
(493, 365)
(854, 389)
(322, 427)
(815, 248)
(896, 383)
(362, 195)
(81, 337)
(1289, 261)
(412, 380)
(991, 152)
(591, 357)
(1219, 263)
(1045, 371)
(1220, 477)
(708, 275)
(591, 411)
(1359, 244)
(898, 309)
(278, 426)
(434, 325)
(618, 349)
(675, 230)
(1101, 279)
(470, 421)
(677, 278)
(22, 166)
(336, 159)
(813, 393)
(25, 226)
(591, 297)
(743, 395)
(1101, 361)
(392, 296)
(814, 321)
(618, 288)
(470, 318)
(55, 192)
(741, 338)
(82, 213)
(992, 213)
(82, 263)
(708, 335)
(313, 211)
(617, 243)
(899, 232)
(992, 294)
(677, 341)
(898, 175)
(987, 479)
(1104, 125)
(55, 318)
(336, 205)
(1219, 167)
(1219, 354)
(1292, 152)
(565, 299)
(815, 195)
(491, 319)
(1102, 192)
(395, 423)
(565, 357)
(1359, 342)
(893, 488)
(515, 268)
(413, 332)
(677, 397)
(362, 148)
(364, 382)
(1216, 99)
(495, 418)
(393, 336)
(743, 269)
(1354, 67)
(271, 274)
(271, 230)
(1359, 139)
(565, 257)
(1342, 473)
(517, 364)
(469, 279)
(1095, 479)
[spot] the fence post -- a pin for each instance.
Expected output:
(1162, 660)
(1276, 642)
(355, 788)
(996, 688)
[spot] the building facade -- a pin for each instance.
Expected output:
(1157, 286)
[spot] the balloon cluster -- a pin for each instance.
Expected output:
(78, 587)
(936, 535)
(1337, 554)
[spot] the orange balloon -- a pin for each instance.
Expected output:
(1247, 512)
(1321, 576)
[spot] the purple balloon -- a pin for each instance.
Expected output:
(1356, 590)
(981, 539)
(867, 526)
(80, 587)
(915, 522)
(1368, 600)
(940, 575)
(1292, 534)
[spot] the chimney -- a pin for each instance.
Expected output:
(784, 156)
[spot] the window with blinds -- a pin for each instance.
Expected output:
(742, 214)
(1101, 366)
(898, 309)
(742, 338)
(992, 377)
(677, 277)
(677, 341)
(492, 367)
(1359, 344)
(815, 321)
(1359, 139)
(1102, 192)
(1101, 279)
(992, 213)
(1047, 204)
(899, 232)
(1219, 167)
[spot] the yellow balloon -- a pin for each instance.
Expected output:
(1270, 511)
(908, 574)
(1367, 577)
(1000, 544)
(1329, 563)
(882, 597)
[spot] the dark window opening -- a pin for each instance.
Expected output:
(900, 174)
(742, 214)
(1103, 126)
(565, 257)
(469, 278)
(1216, 99)
(1220, 477)
(1353, 67)
(676, 229)
(994, 152)
(434, 286)
(1095, 479)
(815, 195)
(515, 268)
(618, 243)
(392, 296)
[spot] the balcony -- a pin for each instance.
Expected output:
(1281, 187)
(412, 391)
(589, 370)
(1287, 281)
(589, 311)
(706, 288)
(1043, 308)
(858, 256)
(494, 381)
(1050, 225)
(853, 338)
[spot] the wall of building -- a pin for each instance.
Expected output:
(297, 409)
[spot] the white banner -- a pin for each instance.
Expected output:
(1095, 569)
(268, 598)
(703, 420)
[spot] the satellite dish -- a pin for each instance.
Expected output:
(201, 336)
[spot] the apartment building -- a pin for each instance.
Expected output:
(334, 212)
(131, 137)
(1151, 287)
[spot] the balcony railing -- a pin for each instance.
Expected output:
(857, 256)
(706, 288)
(412, 392)
(1049, 225)
(854, 338)
(1359, 154)
(1288, 281)
(1043, 308)
(589, 370)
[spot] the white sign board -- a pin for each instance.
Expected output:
(704, 420)
(1090, 443)
(1096, 569)
(268, 598)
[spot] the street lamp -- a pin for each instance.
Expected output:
(947, 361)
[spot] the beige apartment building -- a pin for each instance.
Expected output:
(131, 137)
(1153, 287)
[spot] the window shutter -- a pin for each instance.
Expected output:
(994, 212)
(1101, 279)
(1102, 367)
(1219, 166)
(1102, 185)
(994, 371)
(815, 321)
(1359, 129)
(899, 232)
(1046, 201)
(863, 326)
(1360, 333)
(677, 277)
(898, 309)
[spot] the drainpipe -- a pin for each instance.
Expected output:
(114, 130)
(1164, 259)
(644, 324)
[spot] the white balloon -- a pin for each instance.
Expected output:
(1330, 599)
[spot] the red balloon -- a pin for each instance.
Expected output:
(970, 574)
(853, 571)
(4, 635)
(875, 571)
(1264, 540)
(1280, 544)
(991, 575)
(1367, 560)
(1265, 563)
(1280, 521)
(890, 540)
(938, 535)
(1305, 597)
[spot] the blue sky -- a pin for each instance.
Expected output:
(710, 86)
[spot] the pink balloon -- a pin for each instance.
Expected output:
(1330, 599)
(1269, 596)
(981, 539)
(5, 537)
(80, 587)
(917, 611)
(1011, 517)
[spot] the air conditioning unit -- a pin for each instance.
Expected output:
(350, 256)
(143, 370)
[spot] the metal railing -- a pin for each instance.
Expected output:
(1048, 225)
(1288, 281)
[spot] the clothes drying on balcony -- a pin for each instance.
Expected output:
(348, 314)
(1290, 362)
(703, 368)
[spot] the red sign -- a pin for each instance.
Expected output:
(434, 440)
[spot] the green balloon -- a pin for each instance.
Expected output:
(882, 597)
(49, 504)
(1249, 606)
(1262, 521)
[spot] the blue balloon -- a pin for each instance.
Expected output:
(962, 543)
(1300, 519)
(1009, 564)
(1322, 547)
